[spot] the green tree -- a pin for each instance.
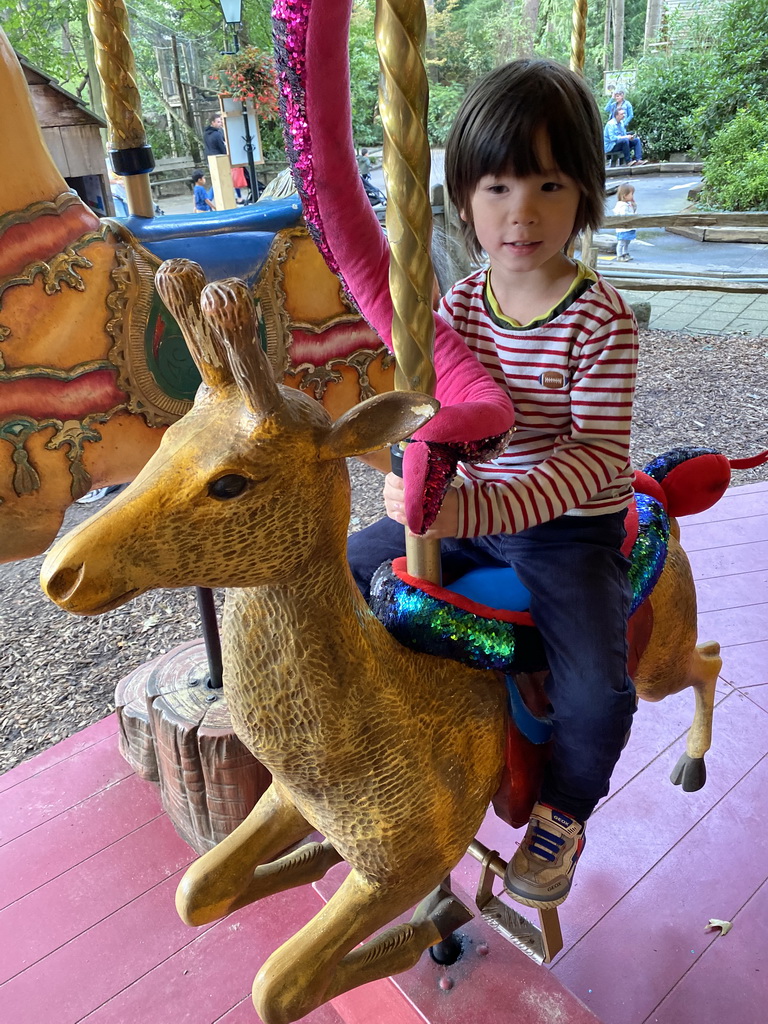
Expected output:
(736, 170)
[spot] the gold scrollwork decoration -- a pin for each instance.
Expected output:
(55, 272)
(74, 434)
(42, 208)
(129, 304)
(315, 379)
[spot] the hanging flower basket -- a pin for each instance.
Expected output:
(248, 76)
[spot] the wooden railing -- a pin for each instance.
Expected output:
(711, 281)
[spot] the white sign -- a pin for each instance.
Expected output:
(234, 130)
(618, 80)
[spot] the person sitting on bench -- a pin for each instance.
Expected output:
(617, 140)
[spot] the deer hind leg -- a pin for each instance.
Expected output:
(233, 873)
(690, 772)
(321, 961)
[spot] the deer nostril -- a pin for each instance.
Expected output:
(64, 583)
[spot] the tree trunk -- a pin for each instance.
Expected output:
(186, 113)
(94, 82)
(652, 22)
(618, 34)
(607, 36)
(529, 17)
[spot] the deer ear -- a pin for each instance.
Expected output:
(376, 423)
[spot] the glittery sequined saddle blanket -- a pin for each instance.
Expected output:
(482, 619)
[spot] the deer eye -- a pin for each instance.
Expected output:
(228, 486)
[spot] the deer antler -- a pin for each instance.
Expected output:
(228, 307)
(179, 284)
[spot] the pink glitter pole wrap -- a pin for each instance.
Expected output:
(312, 61)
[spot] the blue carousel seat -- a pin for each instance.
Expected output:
(229, 243)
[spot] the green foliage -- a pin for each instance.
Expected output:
(444, 102)
(736, 170)
(364, 75)
(669, 87)
(738, 65)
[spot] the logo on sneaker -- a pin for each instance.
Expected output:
(561, 819)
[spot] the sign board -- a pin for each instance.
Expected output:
(234, 131)
(613, 80)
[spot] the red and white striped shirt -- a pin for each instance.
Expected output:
(572, 381)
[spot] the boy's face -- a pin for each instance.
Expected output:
(524, 223)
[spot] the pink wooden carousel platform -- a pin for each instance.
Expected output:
(90, 863)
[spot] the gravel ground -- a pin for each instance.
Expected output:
(58, 672)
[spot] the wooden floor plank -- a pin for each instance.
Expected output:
(746, 664)
(731, 532)
(747, 624)
(727, 983)
(74, 744)
(63, 785)
(214, 971)
(59, 911)
(84, 973)
(746, 588)
(724, 559)
(665, 914)
(75, 835)
(759, 695)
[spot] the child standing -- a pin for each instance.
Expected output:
(202, 200)
(625, 206)
(525, 168)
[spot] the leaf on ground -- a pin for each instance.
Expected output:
(724, 926)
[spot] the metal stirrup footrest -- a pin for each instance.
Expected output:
(541, 944)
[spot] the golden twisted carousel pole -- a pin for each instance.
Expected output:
(129, 153)
(578, 49)
(401, 28)
(578, 36)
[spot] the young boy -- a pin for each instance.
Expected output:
(202, 199)
(524, 167)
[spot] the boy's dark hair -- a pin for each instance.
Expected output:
(196, 176)
(495, 133)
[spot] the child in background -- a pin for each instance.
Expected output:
(202, 199)
(625, 205)
(525, 169)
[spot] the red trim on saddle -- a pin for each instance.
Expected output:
(484, 611)
(41, 398)
(47, 235)
(639, 631)
(521, 777)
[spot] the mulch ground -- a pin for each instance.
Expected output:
(58, 672)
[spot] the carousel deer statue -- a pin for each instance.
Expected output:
(392, 755)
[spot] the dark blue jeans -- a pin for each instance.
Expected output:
(580, 598)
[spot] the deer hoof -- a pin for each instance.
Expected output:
(690, 773)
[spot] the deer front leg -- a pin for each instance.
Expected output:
(229, 876)
(320, 961)
(690, 771)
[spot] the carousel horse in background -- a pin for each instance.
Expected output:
(93, 367)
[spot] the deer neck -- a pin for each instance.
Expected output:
(303, 644)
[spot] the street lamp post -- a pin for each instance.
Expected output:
(232, 11)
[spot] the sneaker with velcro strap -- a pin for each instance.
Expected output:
(541, 872)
